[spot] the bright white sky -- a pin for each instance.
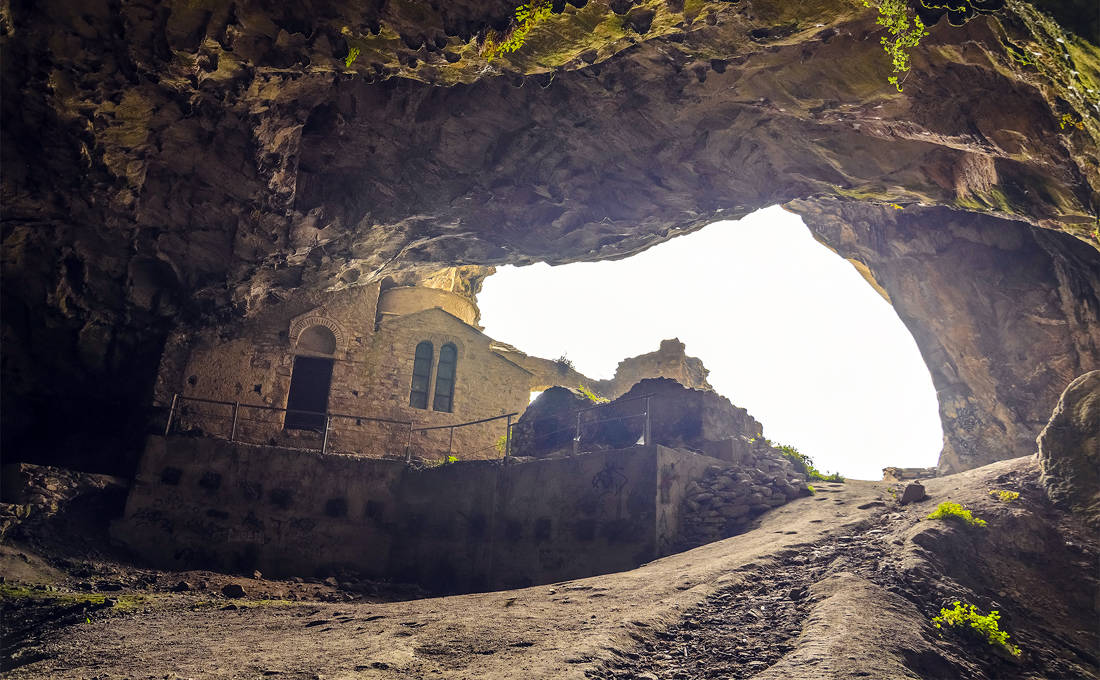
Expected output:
(789, 331)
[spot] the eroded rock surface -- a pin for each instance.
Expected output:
(1069, 448)
(172, 164)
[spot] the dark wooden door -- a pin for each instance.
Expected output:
(309, 387)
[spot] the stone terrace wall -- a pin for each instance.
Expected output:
(200, 502)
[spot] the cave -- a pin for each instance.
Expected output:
(173, 170)
(182, 169)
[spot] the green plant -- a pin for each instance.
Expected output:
(947, 510)
(353, 54)
(592, 396)
(1068, 120)
(564, 364)
(905, 33)
(805, 463)
(1004, 496)
(502, 444)
(525, 18)
(986, 627)
(811, 489)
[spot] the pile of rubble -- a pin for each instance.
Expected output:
(727, 499)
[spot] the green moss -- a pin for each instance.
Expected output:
(122, 603)
(525, 18)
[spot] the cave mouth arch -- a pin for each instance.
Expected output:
(787, 329)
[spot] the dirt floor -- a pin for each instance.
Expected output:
(841, 584)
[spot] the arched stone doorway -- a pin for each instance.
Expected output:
(311, 379)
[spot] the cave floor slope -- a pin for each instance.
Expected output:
(839, 584)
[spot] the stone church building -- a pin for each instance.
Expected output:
(329, 371)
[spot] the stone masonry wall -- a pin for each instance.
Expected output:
(486, 384)
(252, 362)
(209, 503)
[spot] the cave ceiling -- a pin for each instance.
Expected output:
(187, 163)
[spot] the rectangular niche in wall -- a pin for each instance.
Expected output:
(309, 387)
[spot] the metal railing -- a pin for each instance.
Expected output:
(451, 434)
(236, 421)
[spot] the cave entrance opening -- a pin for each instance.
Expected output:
(309, 389)
(787, 329)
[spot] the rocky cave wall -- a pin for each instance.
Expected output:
(173, 165)
(1005, 315)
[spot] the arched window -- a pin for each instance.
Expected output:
(445, 379)
(422, 375)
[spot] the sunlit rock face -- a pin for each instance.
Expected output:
(175, 164)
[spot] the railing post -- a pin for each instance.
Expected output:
(171, 412)
(324, 440)
(648, 430)
(236, 409)
(577, 435)
(508, 437)
(408, 445)
(450, 442)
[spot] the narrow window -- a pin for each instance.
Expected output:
(445, 379)
(422, 373)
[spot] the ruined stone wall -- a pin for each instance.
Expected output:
(669, 361)
(202, 502)
(486, 384)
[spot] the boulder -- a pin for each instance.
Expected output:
(1069, 449)
(913, 493)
